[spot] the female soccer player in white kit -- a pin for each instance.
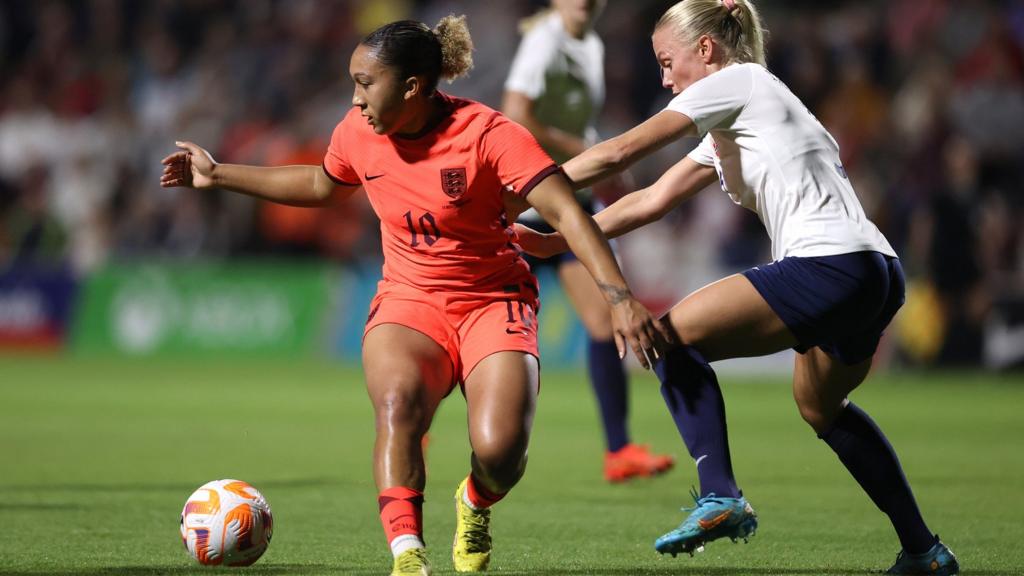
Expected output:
(834, 285)
(555, 89)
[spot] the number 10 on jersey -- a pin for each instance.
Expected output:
(424, 226)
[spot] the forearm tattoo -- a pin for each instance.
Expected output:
(615, 294)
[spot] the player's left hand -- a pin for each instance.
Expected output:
(539, 244)
(634, 326)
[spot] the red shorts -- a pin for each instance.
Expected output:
(468, 326)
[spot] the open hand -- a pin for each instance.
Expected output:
(191, 166)
(635, 327)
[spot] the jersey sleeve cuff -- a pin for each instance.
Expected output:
(699, 159)
(701, 132)
(338, 181)
(538, 178)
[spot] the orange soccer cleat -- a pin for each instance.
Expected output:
(633, 460)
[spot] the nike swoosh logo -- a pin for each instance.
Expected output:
(399, 517)
(368, 177)
(697, 463)
(511, 331)
(709, 524)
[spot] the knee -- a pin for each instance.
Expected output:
(685, 366)
(817, 415)
(691, 334)
(400, 409)
(502, 463)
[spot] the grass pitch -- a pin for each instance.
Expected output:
(97, 457)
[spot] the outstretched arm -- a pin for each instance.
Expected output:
(633, 210)
(614, 155)
(632, 323)
(680, 183)
(300, 185)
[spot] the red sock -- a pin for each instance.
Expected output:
(479, 496)
(401, 512)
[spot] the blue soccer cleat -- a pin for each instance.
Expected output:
(937, 561)
(712, 518)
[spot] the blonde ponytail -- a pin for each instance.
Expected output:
(734, 24)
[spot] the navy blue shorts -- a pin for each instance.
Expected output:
(840, 304)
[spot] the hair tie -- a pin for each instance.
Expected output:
(730, 5)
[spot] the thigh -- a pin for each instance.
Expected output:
(487, 326)
(587, 299)
(501, 397)
(403, 364)
(821, 384)
(405, 328)
(729, 319)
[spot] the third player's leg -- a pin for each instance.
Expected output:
(501, 398)
(604, 367)
(586, 299)
(407, 375)
(623, 459)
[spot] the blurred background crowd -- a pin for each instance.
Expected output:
(925, 97)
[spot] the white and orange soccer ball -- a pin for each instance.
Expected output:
(226, 523)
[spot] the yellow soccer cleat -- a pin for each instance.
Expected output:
(471, 550)
(412, 562)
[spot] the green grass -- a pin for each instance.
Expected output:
(97, 458)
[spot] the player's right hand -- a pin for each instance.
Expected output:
(634, 327)
(191, 166)
(539, 244)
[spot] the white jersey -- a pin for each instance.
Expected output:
(773, 157)
(564, 77)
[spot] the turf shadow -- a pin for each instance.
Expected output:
(164, 487)
(82, 487)
(262, 569)
(275, 569)
(712, 571)
(38, 507)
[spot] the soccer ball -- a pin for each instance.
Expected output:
(226, 522)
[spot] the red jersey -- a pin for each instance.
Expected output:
(439, 195)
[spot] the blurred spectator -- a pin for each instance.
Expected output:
(950, 248)
(29, 232)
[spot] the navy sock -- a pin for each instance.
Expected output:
(608, 377)
(867, 454)
(691, 391)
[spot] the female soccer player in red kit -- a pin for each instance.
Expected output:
(457, 304)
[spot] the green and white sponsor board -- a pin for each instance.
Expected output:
(242, 308)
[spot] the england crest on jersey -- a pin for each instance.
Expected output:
(453, 182)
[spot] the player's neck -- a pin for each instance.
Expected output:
(432, 111)
(715, 67)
